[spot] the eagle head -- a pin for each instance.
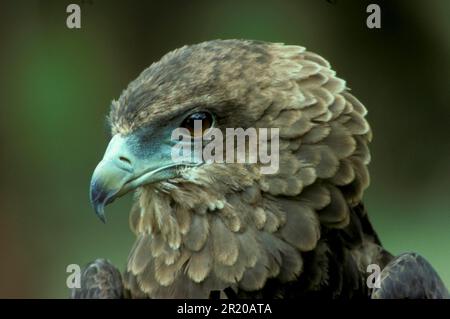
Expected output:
(203, 225)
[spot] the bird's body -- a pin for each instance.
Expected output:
(301, 232)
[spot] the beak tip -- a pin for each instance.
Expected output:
(102, 219)
(100, 212)
(99, 209)
(98, 200)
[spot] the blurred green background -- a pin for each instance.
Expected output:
(56, 86)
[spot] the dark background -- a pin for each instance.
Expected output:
(56, 86)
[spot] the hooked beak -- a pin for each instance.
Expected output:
(124, 168)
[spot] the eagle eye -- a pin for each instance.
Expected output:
(206, 119)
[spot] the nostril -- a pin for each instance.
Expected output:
(124, 163)
(124, 159)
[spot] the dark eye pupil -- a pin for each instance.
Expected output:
(204, 117)
(198, 116)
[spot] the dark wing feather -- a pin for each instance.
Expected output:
(99, 280)
(410, 276)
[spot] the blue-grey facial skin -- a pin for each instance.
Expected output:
(142, 157)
